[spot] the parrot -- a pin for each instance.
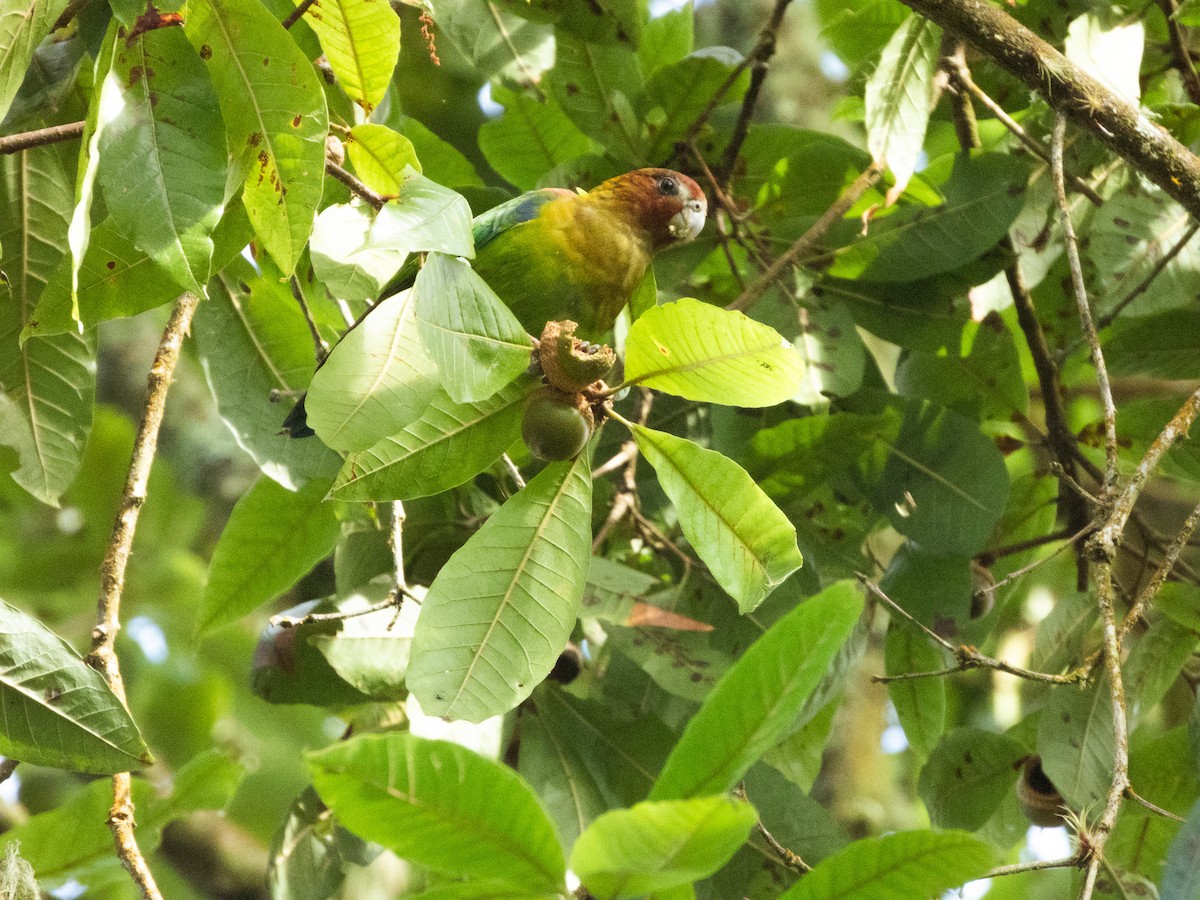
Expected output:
(553, 254)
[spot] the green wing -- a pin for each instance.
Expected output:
(486, 226)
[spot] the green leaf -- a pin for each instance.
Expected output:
(681, 663)
(899, 98)
(207, 781)
(377, 380)
(252, 339)
(361, 39)
(900, 866)
(1180, 602)
(502, 608)
(450, 443)
(380, 156)
(1181, 873)
(1153, 665)
(49, 382)
(275, 118)
(273, 537)
(667, 39)
(475, 340)
(22, 27)
(678, 93)
(564, 773)
(496, 43)
(593, 84)
(701, 352)
(756, 703)
(1164, 345)
(442, 807)
(1075, 741)
(427, 217)
(1109, 46)
(982, 193)
(967, 776)
(1059, 639)
(370, 652)
(832, 354)
(530, 138)
(163, 158)
(659, 845)
(604, 21)
(440, 160)
(859, 30)
(308, 859)
(935, 475)
(355, 252)
(58, 711)
(920, 702)
(744, 539)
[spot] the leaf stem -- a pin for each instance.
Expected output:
(357, 188)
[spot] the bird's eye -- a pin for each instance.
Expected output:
(667, 186)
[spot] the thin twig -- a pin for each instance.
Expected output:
(7, 768)
(1036, 866)
(356, 187)
(300, 10)
(103, 655)
(968, 657)
(962, 75)
(1179, 50)
(1025, 570)
(513, 472)
(1159, 578)
(1165, 260)
(395, 595)
(1153, 807)
(396, 543)
(15, 143)
(807, 242)
(759, 60)
(320, 345)
(73, 9)
(1083, 305)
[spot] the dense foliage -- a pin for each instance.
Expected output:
(863, 573)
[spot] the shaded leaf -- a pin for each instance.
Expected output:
(900, 866)
(659, 845)
(701, 352)
(442, 807)
(1181, 872)
(273, 537)
(755, 703)
(500, 611)
(496, 44)
(252, 339)
(679, 92)
(744, 539)
(594, 85)
(967, 776)
(475, 340)
(58, 711)
(529, 138)
(450, 443)
(1075, 741)
(308, 858)
(21, 30)
(920, 702)
(275, 118)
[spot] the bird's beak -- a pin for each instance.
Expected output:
(686, 223)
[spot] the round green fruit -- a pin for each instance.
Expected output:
(556, 426)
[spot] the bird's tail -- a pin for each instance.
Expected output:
(296, 423)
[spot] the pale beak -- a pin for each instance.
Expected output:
(686, 223)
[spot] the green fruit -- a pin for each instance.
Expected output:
(556, 426)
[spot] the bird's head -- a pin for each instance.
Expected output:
(669, 205)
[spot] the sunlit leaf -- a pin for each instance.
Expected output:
(361, 39)
(163, 158)
(275, 118)
(501, 609)
(899, 98)
(747, 543)
(756, 702)
(900, 866)
(442, 807)
(379, 156)
(530, 138)
(701, 352)
(377, 380)
(58, 710)
(658, 845)
(448, 444)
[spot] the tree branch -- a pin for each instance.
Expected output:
(356, 187)
(103, 655)
(1118, 124)
(15, 143)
